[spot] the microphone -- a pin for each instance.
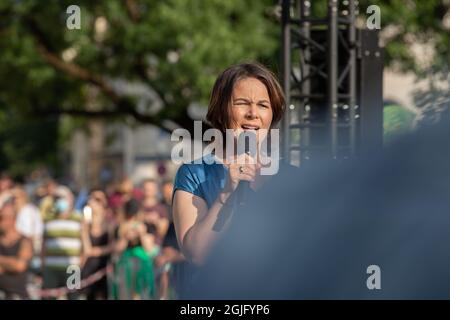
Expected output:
(244, 186)
(239, 197)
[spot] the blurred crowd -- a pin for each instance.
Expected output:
(116, 242)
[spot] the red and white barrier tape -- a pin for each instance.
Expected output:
(58, 292)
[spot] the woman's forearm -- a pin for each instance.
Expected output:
(105, 250)
(120, 245)
(202, 235)
(85, 239)
(162, 226)
(12, 264)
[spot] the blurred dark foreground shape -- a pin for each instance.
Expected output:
(313, 234)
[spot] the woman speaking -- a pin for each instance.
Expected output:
(245, 97)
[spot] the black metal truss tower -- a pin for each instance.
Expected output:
(325, 64)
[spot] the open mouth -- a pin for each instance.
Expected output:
(249, 127)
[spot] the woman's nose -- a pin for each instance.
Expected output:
(252, 111)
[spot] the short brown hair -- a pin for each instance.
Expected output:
(219, 113)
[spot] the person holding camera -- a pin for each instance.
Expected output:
(134, 277)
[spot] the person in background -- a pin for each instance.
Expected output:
(29, 222)
(167, 192)
(124, 191)
(33, 183)
(133, 232)
(62, 245)
(170, 257)
(154, 212)
(134, 268)
(45, 193)
(97, 237)
(15, 253)
(6, 183)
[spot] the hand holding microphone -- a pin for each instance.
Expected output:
(241, 172)
(244, 167)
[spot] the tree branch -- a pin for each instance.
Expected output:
(123, 105)
(132, 10)
(54, 111)
(47, 52)
(79, 112)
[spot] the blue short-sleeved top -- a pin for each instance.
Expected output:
(203, 180)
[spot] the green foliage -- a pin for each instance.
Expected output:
(175, 47)
(26, 144)
(182, 45)
(396, 121)
(414, 21)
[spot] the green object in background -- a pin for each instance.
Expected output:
(396, 121)
(133, 276)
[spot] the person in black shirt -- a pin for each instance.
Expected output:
(98, 244)
(16, 252)
(170, 260)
